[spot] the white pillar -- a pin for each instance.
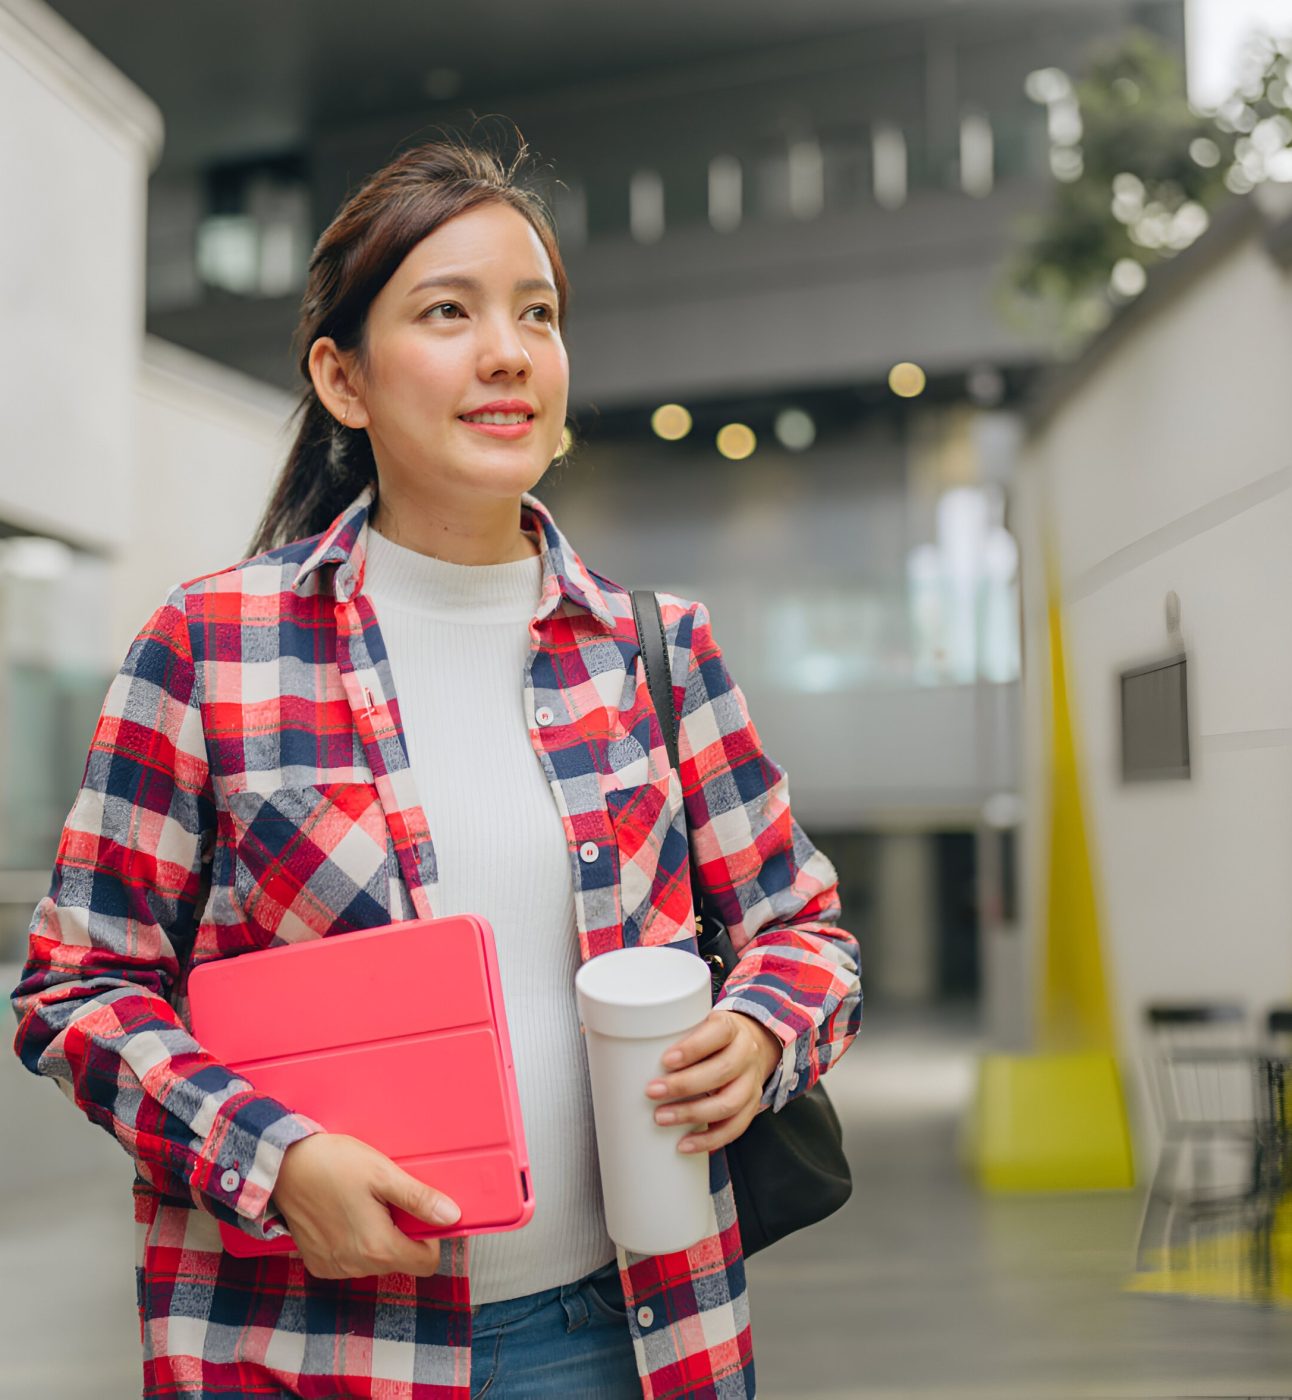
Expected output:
(906, 917)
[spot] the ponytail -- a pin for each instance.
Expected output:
(329, 464)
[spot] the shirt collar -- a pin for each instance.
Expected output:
(345, 542)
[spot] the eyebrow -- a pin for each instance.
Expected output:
(472, 284)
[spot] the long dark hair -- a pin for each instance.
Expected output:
(356, 255)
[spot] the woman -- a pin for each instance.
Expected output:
(330, 735)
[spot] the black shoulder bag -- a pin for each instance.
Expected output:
(788, 1169)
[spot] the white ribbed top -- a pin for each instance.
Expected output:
(457, 636)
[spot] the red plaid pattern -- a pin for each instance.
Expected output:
(253, 735)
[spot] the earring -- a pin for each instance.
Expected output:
(345, 417)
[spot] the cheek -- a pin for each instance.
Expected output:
(556, 376)
(420, 375)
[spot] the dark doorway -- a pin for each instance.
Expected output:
(957, 907)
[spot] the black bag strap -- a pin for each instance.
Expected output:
(711, 933)
(659, 674)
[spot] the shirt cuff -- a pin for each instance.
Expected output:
(780, 1083)
(238, 1163)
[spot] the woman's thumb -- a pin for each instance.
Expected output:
(418, 1199)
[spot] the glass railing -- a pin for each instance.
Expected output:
(932, 632)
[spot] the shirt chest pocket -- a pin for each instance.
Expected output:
(310, 860)
(645, 807)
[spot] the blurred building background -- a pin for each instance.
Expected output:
(758, 230)
(801, 392)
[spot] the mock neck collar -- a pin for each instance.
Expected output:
(406, 578)
(345, 544)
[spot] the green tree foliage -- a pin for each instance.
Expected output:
(1137, 172)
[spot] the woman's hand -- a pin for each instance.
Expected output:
(729, 1056)
(334, 1191)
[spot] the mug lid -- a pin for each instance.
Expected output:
(638, 992)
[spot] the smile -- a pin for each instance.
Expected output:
(501, 425)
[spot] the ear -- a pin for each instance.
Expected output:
(337, 382)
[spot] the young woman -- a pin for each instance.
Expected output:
(414, 699)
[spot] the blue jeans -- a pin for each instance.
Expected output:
(570, 1342)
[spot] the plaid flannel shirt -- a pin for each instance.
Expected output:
(250, 750)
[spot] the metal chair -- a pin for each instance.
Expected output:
(1275, 1223)
(1210, 1193)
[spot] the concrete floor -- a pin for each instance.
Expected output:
(919, 1288)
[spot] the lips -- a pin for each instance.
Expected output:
(512, 426)
(498, 416)
(499, 410)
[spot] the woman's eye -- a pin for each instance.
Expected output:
(548, 316)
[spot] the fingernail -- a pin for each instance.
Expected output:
(666, 1115)
(686, 1147)
(656, 1086)
(674, 1057)
(445, 1211)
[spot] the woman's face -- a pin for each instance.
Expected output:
(468, 319)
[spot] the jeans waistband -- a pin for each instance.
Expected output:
(506, 1310)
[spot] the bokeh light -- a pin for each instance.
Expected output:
(1128, 277)
(736, 440)
(795, 429)
(985, 385)
(907, 380)
(671, 421)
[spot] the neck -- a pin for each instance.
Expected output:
(485, 533)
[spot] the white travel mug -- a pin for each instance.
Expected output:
(635, 1003)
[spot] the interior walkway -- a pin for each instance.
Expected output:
(919, 1288)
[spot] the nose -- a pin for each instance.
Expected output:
(502, 353)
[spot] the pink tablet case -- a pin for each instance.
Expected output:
(395, 1035)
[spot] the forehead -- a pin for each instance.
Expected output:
(491, 239)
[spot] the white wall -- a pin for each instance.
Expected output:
(211, 441)
(76, 143)
(147, 455)
(151, 463)
(1170, 469)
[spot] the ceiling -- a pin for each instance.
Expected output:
(244, 77)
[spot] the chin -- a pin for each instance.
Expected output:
(509, 479)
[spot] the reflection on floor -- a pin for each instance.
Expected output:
(919, 1288)
(1229, 1265)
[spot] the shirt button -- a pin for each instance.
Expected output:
(544, 715)
(645, 1316)
(589, 851)
(230, 1181)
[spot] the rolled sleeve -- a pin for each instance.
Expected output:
(797, 972)
(106, 945)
